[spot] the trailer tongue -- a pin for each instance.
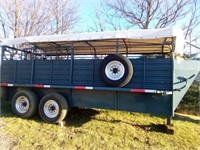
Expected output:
(138, 70)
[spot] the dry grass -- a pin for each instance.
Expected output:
(100, 129)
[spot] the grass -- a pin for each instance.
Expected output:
(99, 129)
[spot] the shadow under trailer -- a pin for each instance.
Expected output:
(136, 70)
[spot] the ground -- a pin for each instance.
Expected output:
(99, 129)
(5, 141)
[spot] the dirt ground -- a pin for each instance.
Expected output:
(185, 116)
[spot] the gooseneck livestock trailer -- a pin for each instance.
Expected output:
(136, 70)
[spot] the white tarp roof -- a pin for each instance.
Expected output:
(154, 35)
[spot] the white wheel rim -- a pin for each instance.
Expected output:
(51, 109)
(114, 70)
(22, 104)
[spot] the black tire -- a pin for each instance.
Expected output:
(53, 108)
(111, 66)
(25, 104)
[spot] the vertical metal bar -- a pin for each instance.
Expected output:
(72, 64)
(2, 53)
(15, 71)
(32, 65)
(163, 46)
(173, 75)
(93, 67)
(117, 46)
(95, 57)
(32, 71)
(31, 54)
(51, 72)
(169, 120)
(21, 56)
(25, 56)
(71, 72)
(126, 47)
(173, 47)
(1, 59)
(94, 60)
(144, 71)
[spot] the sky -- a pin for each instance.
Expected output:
(86, 10)
(88, 6)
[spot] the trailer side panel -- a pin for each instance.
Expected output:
(149, 73)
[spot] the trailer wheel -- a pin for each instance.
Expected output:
(25, 103)
(53, 108)
(116, 70)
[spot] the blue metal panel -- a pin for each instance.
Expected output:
(94, 99)
(145, 103)
(97, 80)
(83, 72)
(42, 71)
(126, 101)
(138, 74)
(149, 73)
(7, 71)
(158, 73)
(61, 72)
(23, 72)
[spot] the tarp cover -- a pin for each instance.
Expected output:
(131, 41)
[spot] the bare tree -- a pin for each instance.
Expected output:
(104, 20)
(2, 27)
(63, 15)
(145, 14)
(99, 22)
(193, 21)
(31, 17)
(23, 18)
(191, 29)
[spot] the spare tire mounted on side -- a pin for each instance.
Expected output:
(116, 70)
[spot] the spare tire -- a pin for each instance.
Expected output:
(115, 70)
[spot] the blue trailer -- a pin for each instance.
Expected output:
(136, 70)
